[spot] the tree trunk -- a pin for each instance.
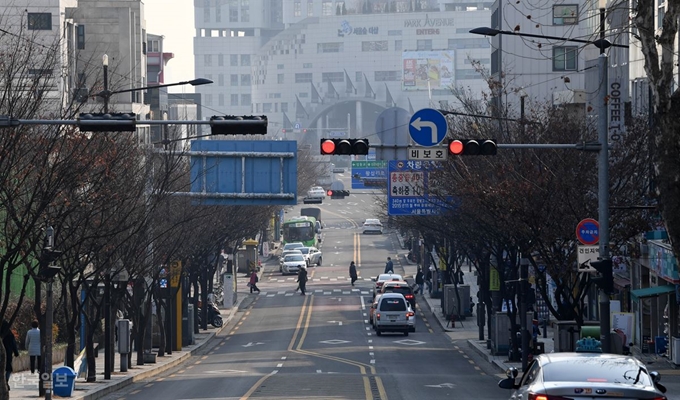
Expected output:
(89, 356)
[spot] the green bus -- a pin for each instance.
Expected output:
(301, 229)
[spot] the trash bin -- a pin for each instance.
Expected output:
(63, 381)
(660, 344)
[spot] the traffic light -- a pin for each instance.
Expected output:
(344, 146)
(337, 194)
(109, 122)
(47, 267)
(238, 125)
(606, 279)
(472, 147)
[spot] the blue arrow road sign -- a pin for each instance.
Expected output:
(427, 127)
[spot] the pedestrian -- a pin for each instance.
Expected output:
(389, 267)
(420, 281)
(253, 282)
(353, 272)
(11, 349)
(33, 346)
(302, 280)
(428, 278)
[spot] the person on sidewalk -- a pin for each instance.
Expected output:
(302, 280)
(253, 282)
(389, 266)
(428, 279)
(11, 349)
(420, 281)
(353, 272)
(33, 346)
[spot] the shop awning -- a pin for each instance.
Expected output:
(652, 291)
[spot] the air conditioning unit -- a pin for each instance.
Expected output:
(569, 97)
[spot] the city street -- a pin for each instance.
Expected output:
(319, 346)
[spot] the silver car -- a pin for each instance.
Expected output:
(584, 375)
(292, 264)
(312, 255)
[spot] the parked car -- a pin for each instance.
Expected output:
(381, 279)
(400, 287)
(392, 314)
(584, 375)
(372, 226)
(284, 254)
(312, 255)
(292, 264)
(317, 192)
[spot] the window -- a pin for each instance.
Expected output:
(565, 14)
(207, 60)
(332, 77)
(246, 99)
(220, 60)
(218, 13)
(379, 45)
(387, 76)
(245, 10)
(154, 46)
(234, 100)
(303, 78)
(333, 47)
(220, 79)
(245, 60)
(234, 80)
(565, 58)
(358, 76)
(233, 60)
(45, 72)
(40, 21)
(297, 8)
(279, 66)
(475, 43)
(233, 11)
(424, 44)
(206, 12)
(307, 65)
(80, 34)
(279, 78)
(208, 100)
(266, 107)
(284, 107)
(245, 79)
(220, 100)
(397, 45)
(310, 8)
(327, 8)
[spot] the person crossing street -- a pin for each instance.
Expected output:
(302, 280)
(353, 272)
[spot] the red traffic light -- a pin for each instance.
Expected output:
(472, 147)
(329, 193)
(327, 146)
(456, 147)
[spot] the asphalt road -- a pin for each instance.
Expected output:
(283, 345)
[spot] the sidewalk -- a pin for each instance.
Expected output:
(468, 330)
(24, 385)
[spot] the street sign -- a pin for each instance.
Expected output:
(297, 127)
(244, 172)
(407, 189)
(369, 174)
(428, 153)
(587, 254)
(337, 134)
(427, 127)
(588, 231)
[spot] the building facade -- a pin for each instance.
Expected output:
(320, 68)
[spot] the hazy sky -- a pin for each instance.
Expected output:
(175, 21)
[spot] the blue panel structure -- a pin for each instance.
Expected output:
(407, 189)
(244, 172)
(369, 174)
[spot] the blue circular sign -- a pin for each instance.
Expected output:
(427, 127)
(588, 231)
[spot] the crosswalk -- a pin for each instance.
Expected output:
(292, 278)
(317, 292)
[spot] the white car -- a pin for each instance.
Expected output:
(372, 226)
(285, 253)
(292, 245)
(381, 279)
(392, 314)
(312, 255)
(317, 192)
(292, 264)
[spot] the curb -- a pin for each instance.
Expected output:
(485, 354)
(114, 387)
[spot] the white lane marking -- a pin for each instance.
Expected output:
(284, 357)
(279, 365)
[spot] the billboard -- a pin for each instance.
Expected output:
(437, 67)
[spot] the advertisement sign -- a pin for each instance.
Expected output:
(437, 68)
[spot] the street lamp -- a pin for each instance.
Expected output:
(603, 152)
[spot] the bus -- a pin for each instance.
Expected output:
(301, 229)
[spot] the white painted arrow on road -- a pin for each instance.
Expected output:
(250, 344)
(443, 385)
(419, 124)
(335, 322)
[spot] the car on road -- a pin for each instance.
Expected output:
(381, 279)
(411, 319)
(284, 254)
(292, 245)
(317, 192)
(312, 255)
(372, 225)
(292, 264)
(584, 375)
(371, 312)
(392, 314)
(400, 287)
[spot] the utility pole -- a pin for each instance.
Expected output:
(523, 306)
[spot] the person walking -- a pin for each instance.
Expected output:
(11, 349)
(420, 281)
(428, 279)
(33, 346)
(389, 266)
(253, 282)
(302, 280)
(353, 272)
